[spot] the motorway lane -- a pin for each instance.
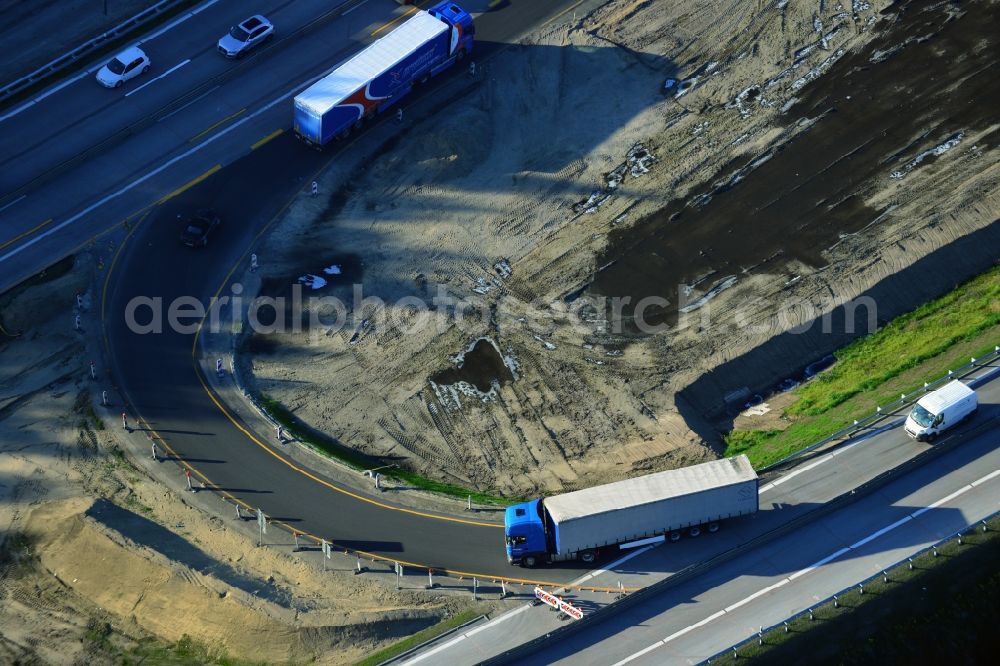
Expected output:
(673, 617)
(123, 181)
(84, 113)
(158, 374)
(801, 489)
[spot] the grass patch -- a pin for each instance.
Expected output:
(943, 611)
(187, 651)
(914, 348)
(359, 461)
(418, 638)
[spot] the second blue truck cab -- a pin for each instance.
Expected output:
(525, 535)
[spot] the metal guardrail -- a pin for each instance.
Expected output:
(73, 57)
(734, 648)
(885, 411)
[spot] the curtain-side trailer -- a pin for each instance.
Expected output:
(646, 509)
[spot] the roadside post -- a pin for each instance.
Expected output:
(262, 525)
(325, 545)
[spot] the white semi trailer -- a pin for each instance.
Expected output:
(628, 513)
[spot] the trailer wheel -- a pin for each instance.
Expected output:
(529, 561)
(713, 527)
(675, 536)
(694, 531)
(588, 556)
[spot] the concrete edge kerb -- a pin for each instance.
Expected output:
(598, 616)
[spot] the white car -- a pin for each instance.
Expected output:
(241, 38)
(128, 64)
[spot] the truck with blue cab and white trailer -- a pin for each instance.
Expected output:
(630, 513)
(381, 74)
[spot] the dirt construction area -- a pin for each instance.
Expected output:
(536, 273)
(100, 564)
(571, 267)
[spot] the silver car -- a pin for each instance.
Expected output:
(128, 64)
(243, 37)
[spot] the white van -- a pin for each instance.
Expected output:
(940, 410)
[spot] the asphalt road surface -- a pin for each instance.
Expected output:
(697, 619)
(79, 160)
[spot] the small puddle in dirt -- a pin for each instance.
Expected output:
(481, 367)
(800, 199)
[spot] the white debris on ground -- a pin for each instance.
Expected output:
(756, 410)
(503, 268)
(936, 151)
(716, 289)
(312, 281)
(638, 161)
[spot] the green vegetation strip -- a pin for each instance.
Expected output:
(943, 611)
(330, 448)
(914, 348)
(416, 639)
(153, 652)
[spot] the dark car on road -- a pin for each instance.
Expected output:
(197, 229)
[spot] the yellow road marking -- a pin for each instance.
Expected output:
(111, 269)
(272, 135)
(212, 396)
(408, 12)
(212, 127)
(26, 233)
(188, 185)
(210, 485)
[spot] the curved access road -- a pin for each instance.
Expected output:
(162, 384)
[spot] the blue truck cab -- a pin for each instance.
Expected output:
(525, 534)
(463, 29)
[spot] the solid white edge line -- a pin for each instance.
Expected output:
(617, 563)
(639, 653)
(152, 81)
(458, 639)
(808, 569)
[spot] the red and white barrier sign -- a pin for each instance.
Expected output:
(546, 598)
(570, 610)
(558, 604)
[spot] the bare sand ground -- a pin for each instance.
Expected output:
(97, 557)
(521, 194)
